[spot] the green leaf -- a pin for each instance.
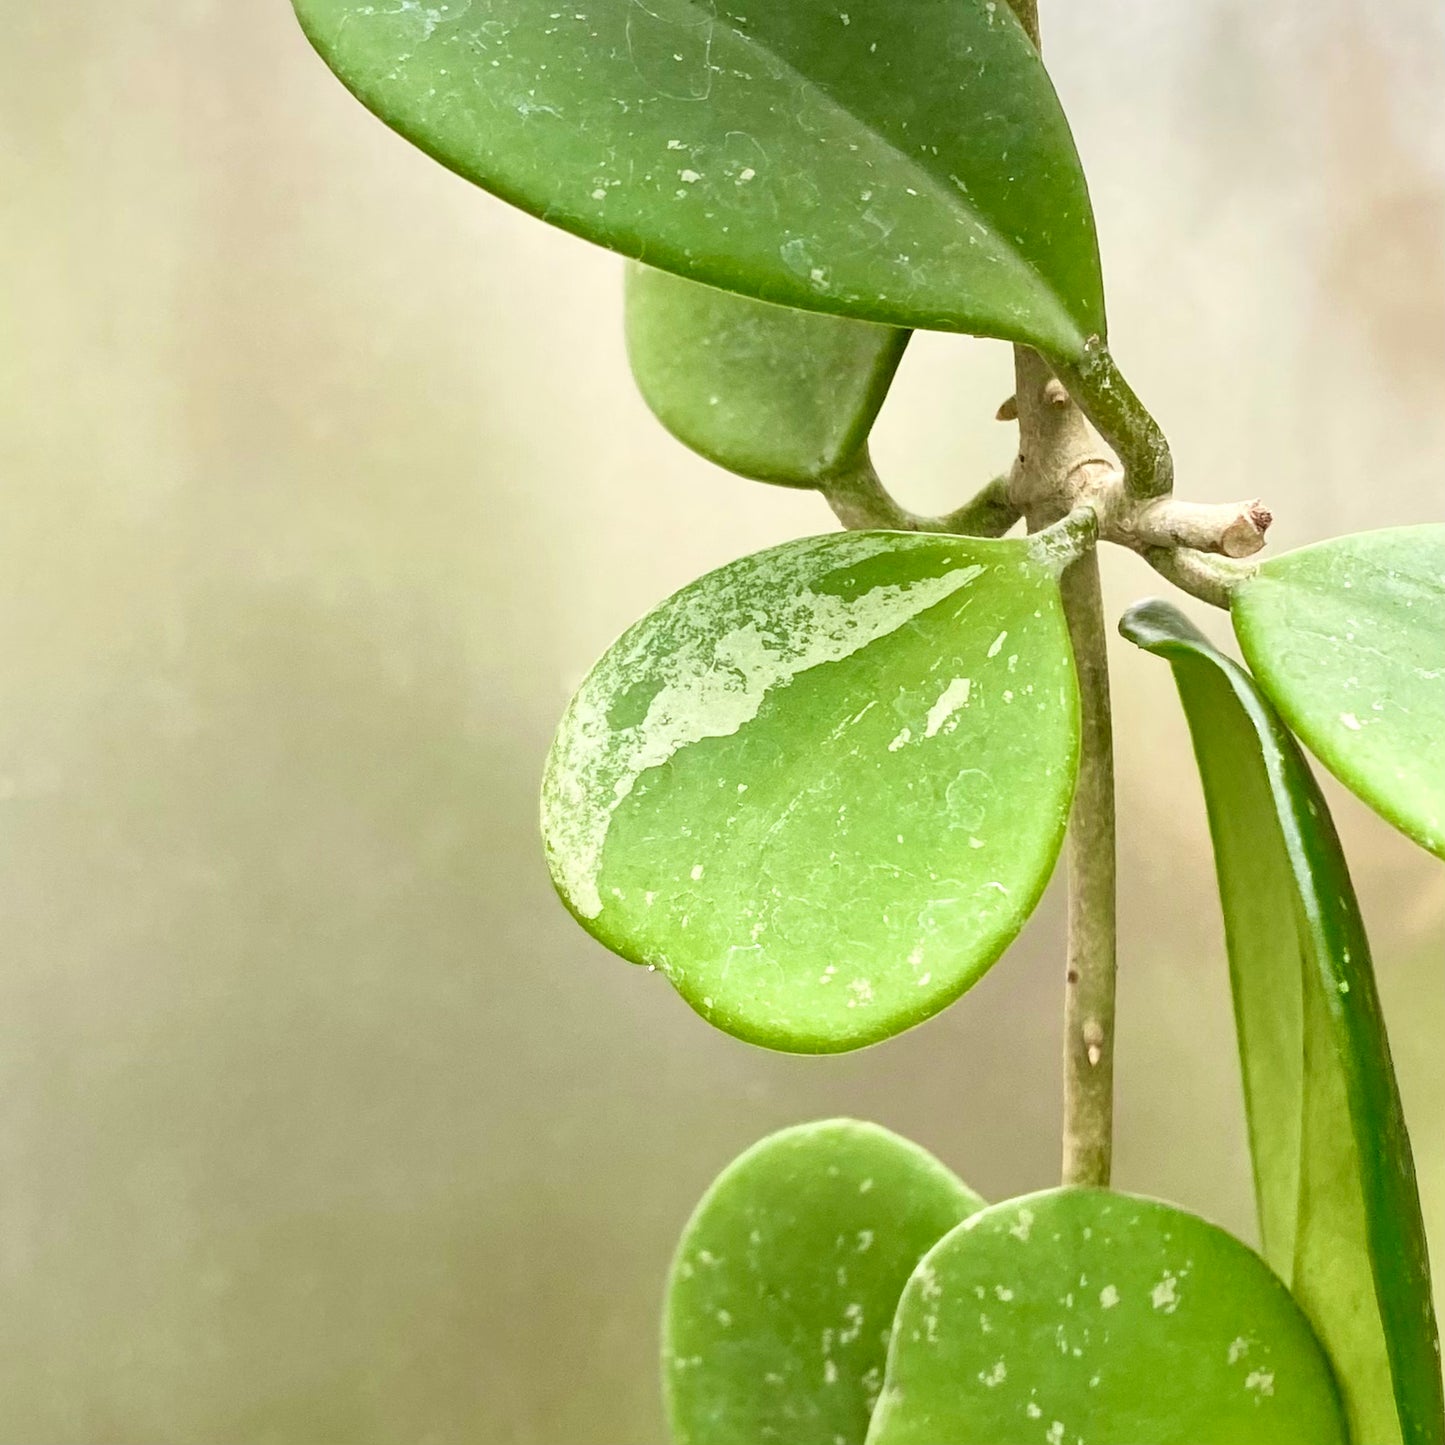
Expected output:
(914, 170)
(785, 1283)
(1348, 640)
(1339, 1209)
(823, 787)
(769, 392)
(1084, 1316)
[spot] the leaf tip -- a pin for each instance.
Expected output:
(1152, 623)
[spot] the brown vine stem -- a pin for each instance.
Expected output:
(1060, 462)
(1058, 459)
(1088, 1132)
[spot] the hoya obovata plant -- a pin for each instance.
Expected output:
(822, 788)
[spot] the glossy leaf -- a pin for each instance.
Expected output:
(914, 170)
(1083, 1316)
(1339, 1209)
(822, 788)
(769, 392)
(1348, 640)
(785, 1284)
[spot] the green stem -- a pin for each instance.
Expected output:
(1099, 388)
(1211, 579)
(860, 500)
(989, 514)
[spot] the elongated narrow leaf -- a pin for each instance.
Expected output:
(1348, 640)
(910, 166)
(1333, 1171)
(786, 1281)
(822, 788)
(769, 392)
(1080, 1317)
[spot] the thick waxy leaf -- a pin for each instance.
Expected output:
(1339, 1210)
(1081, 1317)
(769, 392)
(785, 1284)
(823, 787)
(1348, 640)
(913, 168)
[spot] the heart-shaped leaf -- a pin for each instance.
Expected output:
(1348, 640)
(1084, 1316)
(823, 787)
(1339, 1210)
(785, 1284)
(913, 168)
(766, 391)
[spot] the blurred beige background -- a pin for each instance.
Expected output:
(320, 1124)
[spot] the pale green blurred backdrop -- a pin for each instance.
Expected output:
(320, 1124)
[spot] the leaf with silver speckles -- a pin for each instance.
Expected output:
(1334, 1177)
(822, 788)
(1081, 1317)
(915, 170)
(786, 1280)
(769, 392)
(1348, 639)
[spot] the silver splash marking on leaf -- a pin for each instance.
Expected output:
(715, 653)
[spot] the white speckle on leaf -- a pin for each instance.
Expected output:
(953, 697)
(1108, 1297)
(1165, 1294)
